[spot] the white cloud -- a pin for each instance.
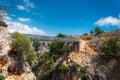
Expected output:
(24, 19)
(4, 15)
(21, 7)
(22, 28)
(25, 29)
(28, 3)
(108, 21)
(36, 13)
(13, 15)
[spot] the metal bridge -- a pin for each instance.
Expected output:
(75, 42)
(50, 38)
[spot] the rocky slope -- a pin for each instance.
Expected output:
(92, 58)
(91, 61)
(9, 64)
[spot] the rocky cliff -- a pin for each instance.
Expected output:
(92, 64)
(10, 68)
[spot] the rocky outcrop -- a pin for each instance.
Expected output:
(19, 68)
(92, 58)
(41, 47)
(9, 62)
(4, 49)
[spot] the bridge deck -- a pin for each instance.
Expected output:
(50, 38)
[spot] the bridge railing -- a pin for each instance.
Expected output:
(50, 38)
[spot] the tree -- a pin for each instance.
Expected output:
(58, 47)
(63, 68)
(44, 68)
(91, 32)
(84, 69)
(96, 77)
(85, 76)
(75, 66)
(110, 47)
(23, 46)
(98, 31)
(1, 77)
(85, 34)
(61, 35)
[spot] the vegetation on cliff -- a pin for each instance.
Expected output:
(110, 47)
(63, 68)
(45, 66)
(2, 78)
(75, 66)
(24, 48)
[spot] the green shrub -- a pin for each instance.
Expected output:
(83, 69)
(85, 76)
(55, 57)
(45, 75)
(110, 47)
(63, 68)
(44, 67)
(85, 34)
(45, 56)
(58, 48)
(1, 77)
(49, 64)
(45, 64)
(64, 50)
(96, 77)
(75, 66)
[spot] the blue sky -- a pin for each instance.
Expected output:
(50, 17)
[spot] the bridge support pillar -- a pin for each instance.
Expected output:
(75, 46)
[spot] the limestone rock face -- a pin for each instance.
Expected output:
(6, 60)
(4, 41)
(4, 49)
(29, 76)
(41, 47)
(24, 76)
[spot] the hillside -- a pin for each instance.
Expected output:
(92, 64)
(112, 71)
